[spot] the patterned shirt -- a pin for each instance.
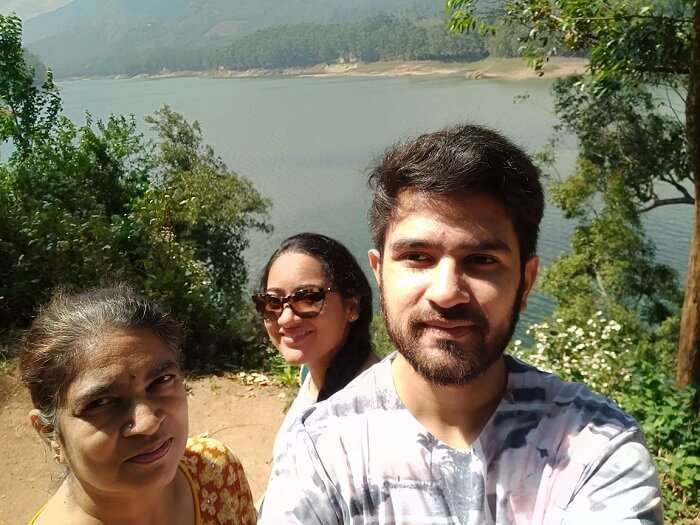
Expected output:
(219, 487)
(553, 453)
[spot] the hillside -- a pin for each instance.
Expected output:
(27, 9)
(84, 33)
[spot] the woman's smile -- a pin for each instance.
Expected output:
(293, 336)
(153, 453)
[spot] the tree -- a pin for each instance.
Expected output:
(27, 111)
(637, 145)
(85, 205)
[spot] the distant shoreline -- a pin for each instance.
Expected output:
(487, 69)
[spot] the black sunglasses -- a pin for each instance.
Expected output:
(305, 303)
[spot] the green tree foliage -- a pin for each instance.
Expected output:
(27, 110)
(85, 205)
(632, 158)
(636, 150)
(379, 38)
(505, 39)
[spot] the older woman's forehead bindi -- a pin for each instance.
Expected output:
(92, 386)
(119, 359)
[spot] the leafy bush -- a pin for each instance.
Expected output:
(380, 338)
(85, 206)
(634, 368)
(597, 353)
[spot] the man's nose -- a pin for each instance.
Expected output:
(447, 287)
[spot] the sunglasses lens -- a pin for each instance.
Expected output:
(307, 303)
(304, 303)
(268, 305)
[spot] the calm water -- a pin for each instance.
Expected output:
(306, 144)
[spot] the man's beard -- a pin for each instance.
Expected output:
(457, 363)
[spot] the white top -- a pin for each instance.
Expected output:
(552, 453)
(301, 402)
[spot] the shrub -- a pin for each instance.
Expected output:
(86, 206)
(380, 338)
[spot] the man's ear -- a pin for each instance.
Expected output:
(529, 277)
(375, 262)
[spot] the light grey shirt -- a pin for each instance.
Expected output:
(552, 453)
(302, 401)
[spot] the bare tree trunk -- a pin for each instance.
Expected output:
(689, 344)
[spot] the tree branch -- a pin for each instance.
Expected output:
(667, 202)
(601, 285)
(670, 104)
(671, 69)
(681, 189)
(19, 136)
(673, 19)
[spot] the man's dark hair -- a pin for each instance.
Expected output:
(459, 159)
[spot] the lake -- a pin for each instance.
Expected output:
(306, 144)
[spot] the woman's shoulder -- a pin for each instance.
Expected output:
(219, 482)
(36, 516)
(55, 511)
(204, 452)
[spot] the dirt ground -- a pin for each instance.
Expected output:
(244, 417)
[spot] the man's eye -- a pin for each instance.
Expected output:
(98, 403)
(415, 257)
(481, 260)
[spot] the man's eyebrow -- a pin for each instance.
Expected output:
(487, 245)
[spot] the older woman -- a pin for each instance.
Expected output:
(103, 371)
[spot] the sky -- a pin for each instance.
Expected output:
(26, 9)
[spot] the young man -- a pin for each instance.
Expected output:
(449, 430)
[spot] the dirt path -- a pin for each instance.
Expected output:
(244, 417)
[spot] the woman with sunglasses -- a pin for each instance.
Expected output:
(316, 304)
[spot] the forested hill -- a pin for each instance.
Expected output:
(382, 37)
(82, 37)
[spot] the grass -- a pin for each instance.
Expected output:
(7, 365)
(286, 374)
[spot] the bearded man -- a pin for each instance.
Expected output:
(449, 429)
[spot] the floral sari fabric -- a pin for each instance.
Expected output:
(219, 486)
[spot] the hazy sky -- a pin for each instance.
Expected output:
(26, 9)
